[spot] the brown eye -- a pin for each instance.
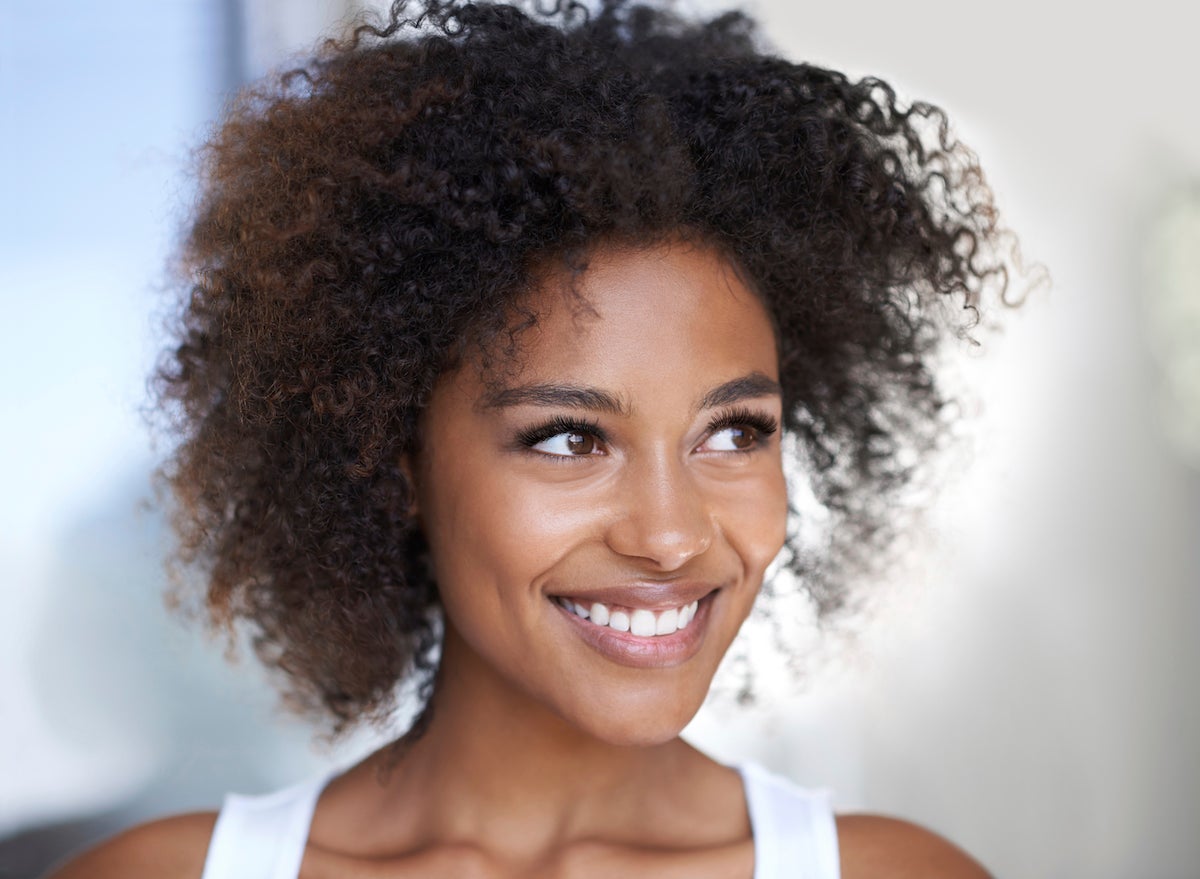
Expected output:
(568, 442)
(580, 443)
(735, 438)
(742, 437)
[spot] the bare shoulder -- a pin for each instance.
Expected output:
(878, 847)
(169, 848)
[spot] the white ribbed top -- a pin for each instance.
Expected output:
(263, 837)
(795, 836)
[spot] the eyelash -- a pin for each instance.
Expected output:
(762, 425)
(559, 424)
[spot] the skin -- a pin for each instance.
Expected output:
(546, 757)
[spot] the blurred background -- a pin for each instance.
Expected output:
(1029, 689)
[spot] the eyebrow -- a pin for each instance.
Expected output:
(745, 387)
(563, 396)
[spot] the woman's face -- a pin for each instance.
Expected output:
(626, 467)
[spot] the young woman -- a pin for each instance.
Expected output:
(496, 325)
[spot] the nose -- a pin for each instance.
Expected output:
(661, 517)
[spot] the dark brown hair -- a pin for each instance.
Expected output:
(368, 218)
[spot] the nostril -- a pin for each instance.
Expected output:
(668, 549)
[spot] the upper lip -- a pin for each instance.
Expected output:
(647, 595)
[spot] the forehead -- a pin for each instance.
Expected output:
(662, 314)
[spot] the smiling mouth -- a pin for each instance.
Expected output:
(637, 621)
(640, 637)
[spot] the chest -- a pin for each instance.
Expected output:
(586, 861)
(793, 833)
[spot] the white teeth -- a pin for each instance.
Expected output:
(686, 613)
(599, 614)
(640, 621)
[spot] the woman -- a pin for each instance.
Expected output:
(496, 324)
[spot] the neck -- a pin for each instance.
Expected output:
(498, 773)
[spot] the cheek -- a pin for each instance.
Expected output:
(493, 533)
(755, 520)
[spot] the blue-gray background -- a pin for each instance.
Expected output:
(1029, 687)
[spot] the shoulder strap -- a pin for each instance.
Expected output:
(262, 837)
(795, 835)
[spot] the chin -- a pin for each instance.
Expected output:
(638, 735)
(641, 722)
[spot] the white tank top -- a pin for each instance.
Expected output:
(263, 837)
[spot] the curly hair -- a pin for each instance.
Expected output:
(369, 219)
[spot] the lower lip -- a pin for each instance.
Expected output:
(636, 651)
